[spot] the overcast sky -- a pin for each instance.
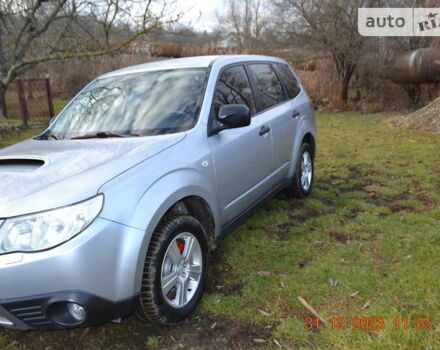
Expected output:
(206, 9)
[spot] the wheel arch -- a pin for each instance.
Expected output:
(310, 139)
(197, 207)
(305, 134)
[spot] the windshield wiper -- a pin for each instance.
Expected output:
(103, 134)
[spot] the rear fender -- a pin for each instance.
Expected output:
(305, 126)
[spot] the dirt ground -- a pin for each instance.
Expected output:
(201, 331)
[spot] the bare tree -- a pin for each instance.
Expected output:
(245, 22)
(37, 31)
(326, 27)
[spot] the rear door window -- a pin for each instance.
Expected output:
(289, 79)
(233, 87)
(269, 87)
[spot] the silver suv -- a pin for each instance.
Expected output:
(114, 208)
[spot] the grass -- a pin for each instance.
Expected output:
(14, 121)
(25, 134)
(372, 224)
(365, 244)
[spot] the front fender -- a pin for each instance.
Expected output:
(158, 199)
(165, 192)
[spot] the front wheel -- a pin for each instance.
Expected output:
(175, 271)
(302, 182)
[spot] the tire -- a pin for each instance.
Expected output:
(161, 303)
(299, 187)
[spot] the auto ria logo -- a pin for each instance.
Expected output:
(433, 22)
(399, 21)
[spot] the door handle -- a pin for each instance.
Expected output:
(296, 114)
(264, 130)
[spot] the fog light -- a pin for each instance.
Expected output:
(77, 311)
(5, 322)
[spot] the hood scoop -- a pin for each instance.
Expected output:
(20, 165)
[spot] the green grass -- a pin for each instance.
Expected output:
(14, 120)
(14, 115)
(152, 342)
(371, 223)
(26, 134)
(10, 121)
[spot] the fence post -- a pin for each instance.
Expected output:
(22, 100)
(4, 107)
(49, 98)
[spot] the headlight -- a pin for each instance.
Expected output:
(47, 229)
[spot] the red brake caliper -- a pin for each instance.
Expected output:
(181, 247)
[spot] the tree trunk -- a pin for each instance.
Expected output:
(2, 98)
(2, 73)
(343, 91)
(414, 92)
(345, 68)
(345, 82)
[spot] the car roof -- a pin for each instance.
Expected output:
(190, 62)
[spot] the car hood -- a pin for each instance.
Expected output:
(37, 175)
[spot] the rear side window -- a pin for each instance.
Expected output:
(268, 85)
(233, 87)
(289, 79)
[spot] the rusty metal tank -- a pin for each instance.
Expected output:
(416, 67)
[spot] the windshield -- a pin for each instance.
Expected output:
(150, 103)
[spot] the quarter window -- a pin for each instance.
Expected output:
(289, 79)
(233, 88)
(268, 85)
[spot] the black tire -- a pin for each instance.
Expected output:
(153, 306)
(296, 188)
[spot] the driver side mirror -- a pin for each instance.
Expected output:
(230, 117)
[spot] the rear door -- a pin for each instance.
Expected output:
(275, 105)
(286, 126)
(242, 156)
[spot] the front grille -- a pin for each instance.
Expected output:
(33, 315)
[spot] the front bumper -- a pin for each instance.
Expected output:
(99, 269)
(50, 311)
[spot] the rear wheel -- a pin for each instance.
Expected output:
(175, 271)
(302, 182)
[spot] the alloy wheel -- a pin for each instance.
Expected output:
(181, 270)
(306, 170)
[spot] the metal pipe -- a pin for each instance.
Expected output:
(416, 67)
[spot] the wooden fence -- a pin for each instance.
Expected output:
(30, 100)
